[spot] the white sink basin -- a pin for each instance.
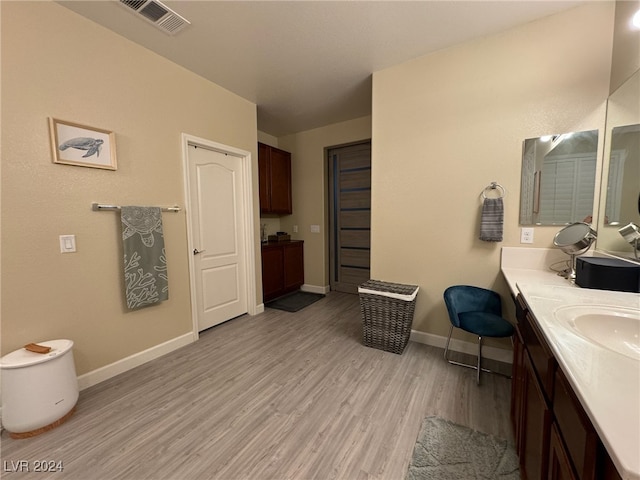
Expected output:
(614, 328)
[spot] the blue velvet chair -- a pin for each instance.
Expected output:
(478, 311)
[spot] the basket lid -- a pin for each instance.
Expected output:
(387, 289)
(23, 358)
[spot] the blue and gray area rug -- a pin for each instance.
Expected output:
(446, 451)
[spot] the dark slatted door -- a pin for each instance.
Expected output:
(350, 218)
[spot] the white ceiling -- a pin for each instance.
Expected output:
(308, 64)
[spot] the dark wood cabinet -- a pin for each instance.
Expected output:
(517, 389)
(580, 438)
(274, 168)
(282, 268)
(559, 463)
(555, 438)
(518, 379)
(272, 272)
(541, 356)
(293, 266)
(536, 423)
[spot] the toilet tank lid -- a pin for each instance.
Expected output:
(23, 358)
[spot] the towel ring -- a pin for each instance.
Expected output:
(494, 186)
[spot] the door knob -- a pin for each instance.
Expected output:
(196, 251)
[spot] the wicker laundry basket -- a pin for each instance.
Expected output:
(387, 314)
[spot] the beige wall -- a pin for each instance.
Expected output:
(58, 64)
(310, 189)
(267, 139)
(447, 124)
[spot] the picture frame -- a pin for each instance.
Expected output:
(81, 145)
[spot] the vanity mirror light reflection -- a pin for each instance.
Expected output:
(558, 178)
(620, 190)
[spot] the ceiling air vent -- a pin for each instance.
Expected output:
(158, 14)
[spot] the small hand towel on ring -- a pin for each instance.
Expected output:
(492, 220)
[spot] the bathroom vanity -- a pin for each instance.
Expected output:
(576, 384)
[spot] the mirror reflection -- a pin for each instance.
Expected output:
(623, 181)
(558, 178)
(620, 192)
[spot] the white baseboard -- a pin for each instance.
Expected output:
(498, 354)
(104, 373)
(108, 371)
(315, 289)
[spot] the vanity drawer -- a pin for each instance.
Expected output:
(542, 358)
(579, 436)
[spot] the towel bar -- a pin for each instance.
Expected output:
(97, 207)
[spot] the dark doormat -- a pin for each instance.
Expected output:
(294, 301)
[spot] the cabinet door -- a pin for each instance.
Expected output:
(518, 375)
(579, 435)
(517, 389)
(293, 266)
(536, 425)
(607, 470)
(559, 463)
(542, 358)
(272, 272)
(264, 175)
(280, 181)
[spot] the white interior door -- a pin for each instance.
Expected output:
(218, 235)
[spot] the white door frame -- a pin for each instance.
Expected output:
(247, 220)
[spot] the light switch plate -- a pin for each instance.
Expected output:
(315, 228)
(67, 243)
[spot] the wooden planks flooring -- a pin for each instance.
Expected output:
(275, 396)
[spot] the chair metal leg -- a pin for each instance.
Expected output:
(446, 353)
(478, 365)
(446, 348)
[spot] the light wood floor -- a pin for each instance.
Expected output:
(275, 396)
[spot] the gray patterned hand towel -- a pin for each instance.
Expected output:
(492, 220)
(145, 264)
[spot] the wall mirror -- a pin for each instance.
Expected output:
(558, 178)
(620, 190)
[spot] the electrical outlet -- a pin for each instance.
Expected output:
(526, 235)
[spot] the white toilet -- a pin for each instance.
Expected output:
(39, 391)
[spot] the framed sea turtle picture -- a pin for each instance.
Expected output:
(75, 144)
